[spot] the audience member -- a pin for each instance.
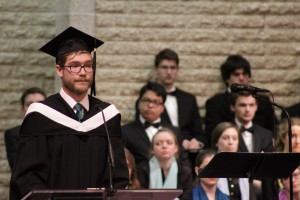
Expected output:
(164, 170)
(181, 107)
(253, 137)
(63, 141)
(282, 143)
(284, 192)
(293, 110)
(12, 136)
(137, 135)
(134, 182)
(236, 69)
(206, 188)
(225, 138)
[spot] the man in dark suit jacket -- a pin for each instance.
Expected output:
(236, 69)
(137, 135)
(181, 107)
(253, 137)
(12, 135)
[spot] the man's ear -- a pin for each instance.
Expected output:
(59, 70)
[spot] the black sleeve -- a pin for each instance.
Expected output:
(11, 144)
(29, 172)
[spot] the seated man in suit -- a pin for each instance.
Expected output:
(12, 135)
(253, 137)
(236, 69)
(137, 135)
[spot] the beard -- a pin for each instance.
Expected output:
(76, 87)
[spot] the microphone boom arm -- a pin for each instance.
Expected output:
(110, 160)
(289, 133)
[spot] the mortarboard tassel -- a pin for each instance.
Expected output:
(93, 87)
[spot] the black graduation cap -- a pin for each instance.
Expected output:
(72, 40)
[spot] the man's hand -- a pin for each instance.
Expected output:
(186, 144)
(193, 145)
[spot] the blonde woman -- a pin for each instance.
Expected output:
(164, 170)
(283, 137)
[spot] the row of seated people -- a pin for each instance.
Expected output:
(138, 134)
(167, 169)
(180, 110)
(180, 107)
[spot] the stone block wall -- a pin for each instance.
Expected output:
(25, 26)
(203, 32)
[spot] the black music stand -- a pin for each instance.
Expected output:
(251, 165)
(99, 194)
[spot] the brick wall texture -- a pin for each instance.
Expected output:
(204, 33)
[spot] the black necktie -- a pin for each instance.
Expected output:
(250, 130)
(79, 111)
(173, 93)
(148, 124)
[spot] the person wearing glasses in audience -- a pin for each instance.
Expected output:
(206, 188)
(138, 134)
(12, 135)
(63, 139)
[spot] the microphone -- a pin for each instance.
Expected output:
(111, 160)
(235, 87)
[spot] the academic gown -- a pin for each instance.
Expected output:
(12, 137)
(62, 153)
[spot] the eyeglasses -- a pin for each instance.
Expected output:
(149, 101)
(76, 68)
(172, 68)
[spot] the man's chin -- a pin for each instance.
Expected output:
(82, 90)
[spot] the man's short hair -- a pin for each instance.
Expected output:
(155, 87)
(235, 95)
(232, 63)
(32, 90)
(166, 54)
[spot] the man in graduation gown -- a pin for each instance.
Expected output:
(64, 142)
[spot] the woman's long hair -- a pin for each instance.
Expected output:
(134, 182)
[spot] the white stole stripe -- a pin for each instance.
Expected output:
(85, 126)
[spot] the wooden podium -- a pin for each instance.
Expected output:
(99, 194)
